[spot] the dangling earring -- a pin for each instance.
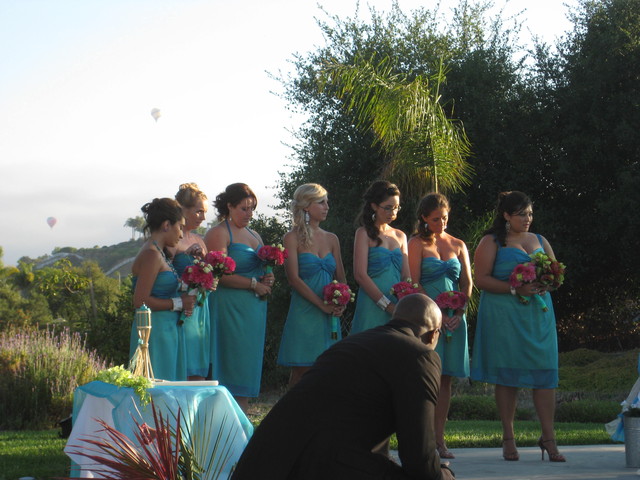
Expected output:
(373, 216)
(426, 227)
(507, 227)
(306, 217)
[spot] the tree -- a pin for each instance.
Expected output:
(136, 224)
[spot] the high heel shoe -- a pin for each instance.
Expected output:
(512, 456)
(553, 457)
(443, 451)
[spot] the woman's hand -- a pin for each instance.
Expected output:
(390, 308)
(528, 289)
(188, 303)
(337, 310)
(452, 323)
(268, 279)
(261, 289)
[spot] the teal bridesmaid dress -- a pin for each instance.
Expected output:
(307, 330)
(385, 269)
(166, 341)
(438, 276)
(515, 345)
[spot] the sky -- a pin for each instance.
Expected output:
(79, 78)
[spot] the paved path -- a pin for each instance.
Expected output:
(584, 462)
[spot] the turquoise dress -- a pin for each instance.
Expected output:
(307, 331)
(515, 345)
(238, 325)
(385, 269)
(195, 327)
(437, 276)
(166, 342)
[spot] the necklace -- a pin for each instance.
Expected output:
(170, 264)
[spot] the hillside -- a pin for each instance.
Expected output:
(113, 259)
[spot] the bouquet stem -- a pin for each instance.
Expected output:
(541, 303)
(335, 327)
(447, 332)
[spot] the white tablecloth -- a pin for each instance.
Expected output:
(205, 410)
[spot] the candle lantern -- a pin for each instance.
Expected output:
(140, 363)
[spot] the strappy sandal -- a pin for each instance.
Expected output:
(512, 456)
(553, 457)
(443, 451)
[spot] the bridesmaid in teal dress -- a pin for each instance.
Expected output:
(156, 284)
(379, 256)
(441, 262)
(238, 314)
(314, 261)
(516, 344)
(195, 328)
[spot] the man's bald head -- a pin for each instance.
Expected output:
(419, 310)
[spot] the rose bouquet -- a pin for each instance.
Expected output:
(542, 269)
(402, 289)
(272, 255)
(338, 294)
(203, 276)
(449, 302)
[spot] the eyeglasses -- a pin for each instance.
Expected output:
(391, 208)
(438, 331)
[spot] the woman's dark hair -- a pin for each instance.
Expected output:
(188, 194)
(428, 204)
(509, 203)
(158, 211)
(233, 194)
(377, 193)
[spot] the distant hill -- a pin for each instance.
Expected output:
(113, 260)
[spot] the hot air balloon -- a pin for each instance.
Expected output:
(156, 114)
(51, 221)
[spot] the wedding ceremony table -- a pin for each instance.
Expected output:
(206, 409)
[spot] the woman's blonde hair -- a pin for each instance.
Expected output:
(188, 194)
(304, 196)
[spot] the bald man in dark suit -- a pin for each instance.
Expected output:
(359, 392)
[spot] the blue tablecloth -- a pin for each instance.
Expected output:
(205, 411)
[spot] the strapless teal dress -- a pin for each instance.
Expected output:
(166, 342)
(238, 325)
(195, 327)
(307, 331)
(385, 268)
(437, 276)
(515, 345)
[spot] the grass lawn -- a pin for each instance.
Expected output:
(39, 453)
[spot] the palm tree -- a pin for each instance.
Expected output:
(426, 150)
(136, 224)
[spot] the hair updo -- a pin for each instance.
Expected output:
(509, 203)
(377, 193)
(188, 194)
(158, 211)
(303, 197)
(233, 195)
(431, 202)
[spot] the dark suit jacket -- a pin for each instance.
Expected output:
(358, 392)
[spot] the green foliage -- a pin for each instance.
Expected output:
(32, 453)
(466, 407)
(122, 377)
(39, 371)
(605, 373)
(586, 411)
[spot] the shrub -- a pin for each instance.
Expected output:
(580, 357)
(585, 411)
(39, 371)
(476, 407)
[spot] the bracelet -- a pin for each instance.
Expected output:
(254, 282)
(383, 302)
(177, 304)
(512, 289)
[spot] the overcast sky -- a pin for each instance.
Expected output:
(78, 81)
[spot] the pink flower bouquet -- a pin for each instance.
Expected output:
(402, 289)
(542, 269)
(338, 294)
(221, 263)
(272, 255)
(449, 302)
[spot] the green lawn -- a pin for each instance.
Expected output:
(39, 453)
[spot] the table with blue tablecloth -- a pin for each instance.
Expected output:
(207, 410)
